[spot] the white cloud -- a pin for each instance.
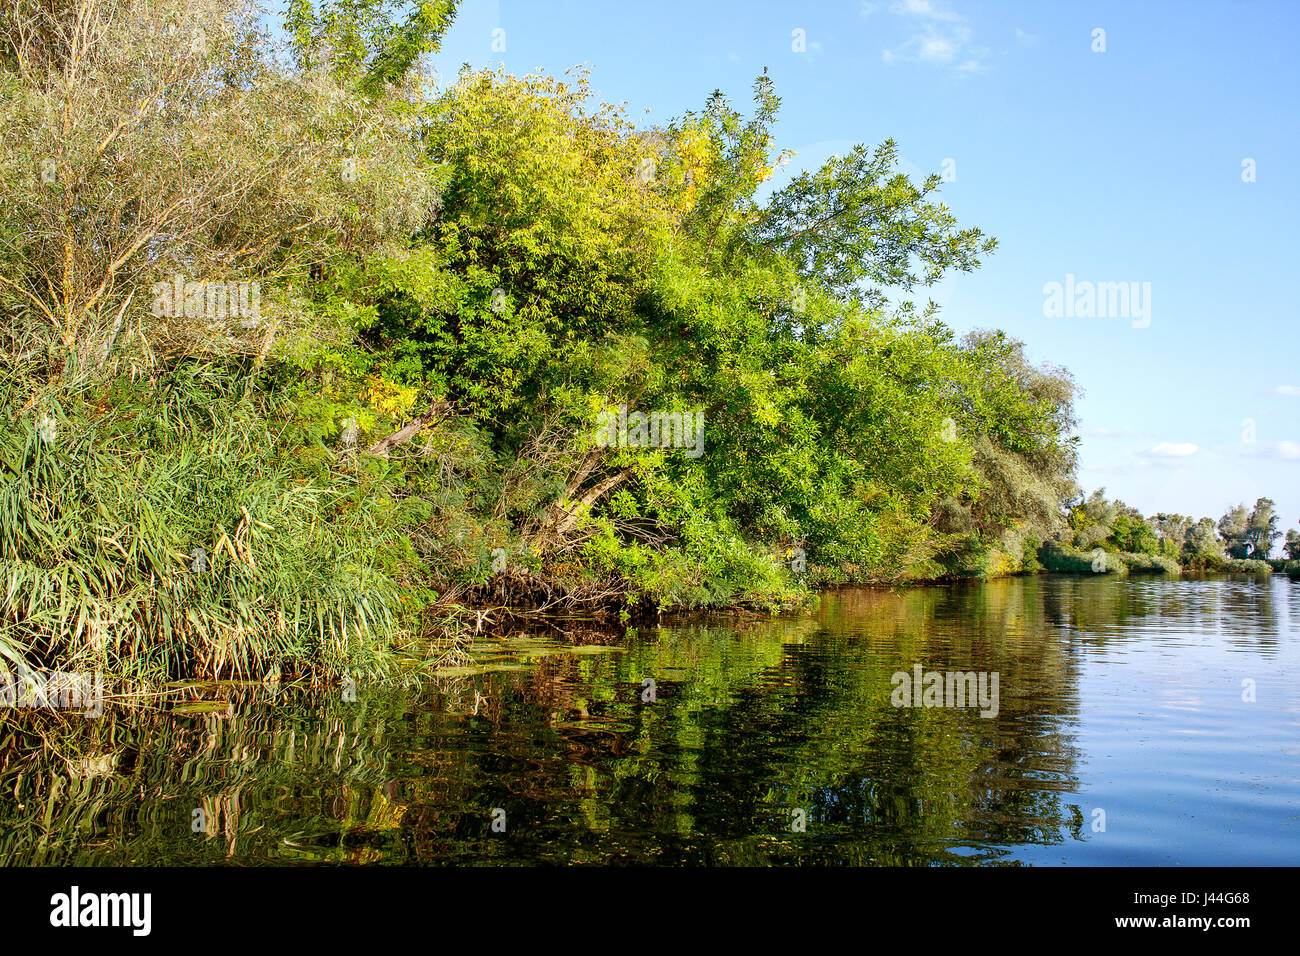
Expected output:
(937, 49)
(1025, 38)
(1291, 391)
(950, 48)
(944, 39)
(1168, 449)
(923, 8)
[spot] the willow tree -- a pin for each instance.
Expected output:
(141, 140)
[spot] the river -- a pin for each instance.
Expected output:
(1139, 721)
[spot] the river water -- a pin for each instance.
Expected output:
(1137, 722)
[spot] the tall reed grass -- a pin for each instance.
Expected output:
(163, 528)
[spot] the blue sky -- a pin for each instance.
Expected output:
(1117, 166)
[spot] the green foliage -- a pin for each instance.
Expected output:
(578, 263)
(1061, 558)
(1292, 546)
(1064, 559)
(1130, 532)
(1148, 563)
(1201, 542)
(362, 39)
(1233, 530)
(507, 261)
(1171, 530)
(1166, 543)
(1091, 520)
(1249, 534)
(858, 220)
(164, 530)
(1221, 564)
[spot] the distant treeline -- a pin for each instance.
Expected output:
(1112, 537)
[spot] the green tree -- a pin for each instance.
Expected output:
(1091, 520)
(142, 144)
(367, 42)
(578, 264)
(1172, 531)
(858, 223)
(112, 182)
(1202, 540)
(1131, 533)
(1261, 528)
(1292, 547)
(1234, 530)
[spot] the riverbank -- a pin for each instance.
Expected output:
(455, 637)
(338, 420)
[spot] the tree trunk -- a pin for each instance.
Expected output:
(404, 434)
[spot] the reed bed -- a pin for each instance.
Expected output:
(163, 527)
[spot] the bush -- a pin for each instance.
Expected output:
(1029, 563)
(1061, 558)
(1216, 563)
(1149, 563)
(160, 531)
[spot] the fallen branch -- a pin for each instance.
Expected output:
(570, 511)
(381, 448)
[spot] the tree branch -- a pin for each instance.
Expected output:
(404, 434)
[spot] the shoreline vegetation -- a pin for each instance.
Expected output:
(403, 359)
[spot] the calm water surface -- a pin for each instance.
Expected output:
(1125, 734)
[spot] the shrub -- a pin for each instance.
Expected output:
(1061, 558)
(160, 531)
(1149, 563)
(1217, 563)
